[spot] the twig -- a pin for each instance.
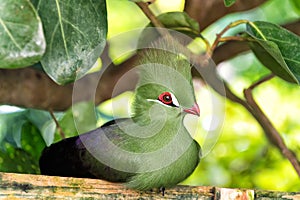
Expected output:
(264, 79)
(231, 38)
(145, 8)
(270, 131)
(219, 36)
(61, 132)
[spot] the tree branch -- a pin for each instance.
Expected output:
(201, 10)
(28, 186)
(144, 7)
(34, 89)
(30, 88)
(270, 131)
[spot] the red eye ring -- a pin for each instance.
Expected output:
(165, 98)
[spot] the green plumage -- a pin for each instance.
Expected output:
(152, 149)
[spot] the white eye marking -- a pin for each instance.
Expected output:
(175, 101)
(157, 101)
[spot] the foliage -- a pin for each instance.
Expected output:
(73, 37)
(277, 49)
(22, 39)
(72, 45)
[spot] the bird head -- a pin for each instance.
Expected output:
(165, 87)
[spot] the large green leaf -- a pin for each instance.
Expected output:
(75, 32)
(177, 21)
(22, 41)
(277, 48)
(229, 2)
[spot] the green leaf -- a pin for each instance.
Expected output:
(229, 3)
(22, 41)
(17, 161)
(181, 22)
(48, 131)
(11, 125)
(177, 21)
(75, 34)
(44, 122)
(23, 160)
(67, 124)
(16, 131)
(277, 48)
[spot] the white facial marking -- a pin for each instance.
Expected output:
(175, 101)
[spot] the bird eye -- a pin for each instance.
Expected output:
(165, 98)
(169, 99)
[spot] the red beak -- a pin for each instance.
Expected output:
(195, 110)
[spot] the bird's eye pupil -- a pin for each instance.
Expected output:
(167, 98)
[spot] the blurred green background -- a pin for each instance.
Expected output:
(242, 156)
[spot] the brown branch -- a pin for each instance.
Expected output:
(261, 81)
(220, 38)
(30, 88)
(27, 186)
(206, 12)
(270, 131)
(229, 50)
(33, 89)
(144, 7)
(61, 132)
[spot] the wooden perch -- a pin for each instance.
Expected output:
(24, 186)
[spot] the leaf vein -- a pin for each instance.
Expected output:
(295, 61)
(9, 34)
(95, 9)
(62, 28)
(52, 36)
(76, 28)
(281, 41)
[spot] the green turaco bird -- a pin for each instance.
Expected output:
(152, 149)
